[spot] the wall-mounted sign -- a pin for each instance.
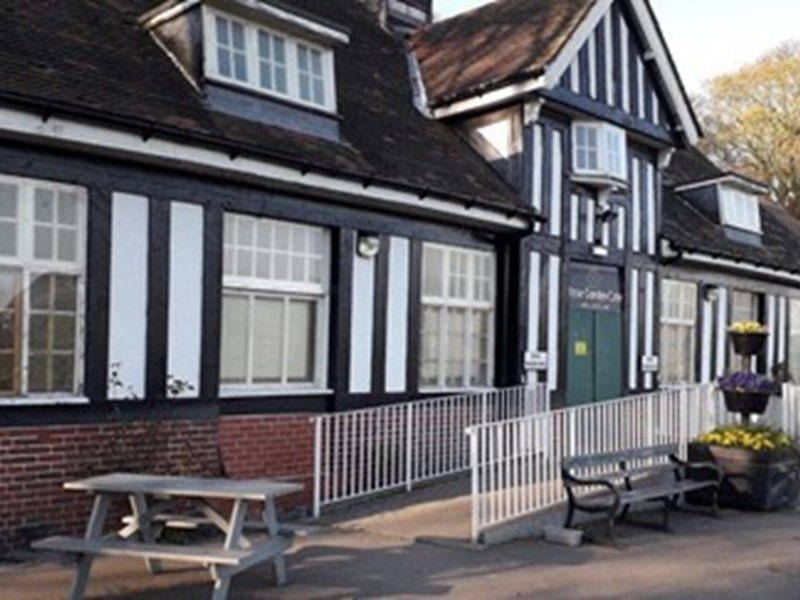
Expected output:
(581, 349)
(595, 288)
(650, 364)
(536, 361)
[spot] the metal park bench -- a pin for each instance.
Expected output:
(611, 483)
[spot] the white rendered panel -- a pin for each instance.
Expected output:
(649, 321)
(397, 315)
(592, 50)
(633, 332)
(621, 229)
(553, 324)
(185, 294)
(706, 345)
(636, 208)
(556, 183)
(538, 169)
(773, 331)
(722, 330)
(127, 325)
(362, 324)
(782, 328)
(574, 216)
(651, 209)
(609, 64)
(534, 301)
(575, 75)
(642, 104)
(590, 220)
(626, 78)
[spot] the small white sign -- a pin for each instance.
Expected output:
(536, 361)
(650, 364)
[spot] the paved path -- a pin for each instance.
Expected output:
(742, 556)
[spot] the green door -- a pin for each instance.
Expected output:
(594, 335)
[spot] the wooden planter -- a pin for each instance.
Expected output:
(748, 344)
(748, 403)
(753, 480)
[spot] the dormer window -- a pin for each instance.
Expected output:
(268, 61)
(599, 152)
(739, 209)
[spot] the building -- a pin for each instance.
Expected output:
(220, 217)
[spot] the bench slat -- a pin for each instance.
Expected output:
(597, 460)
(112, 547)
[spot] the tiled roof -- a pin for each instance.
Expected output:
(93, 57)
(494, 45)
(689, 228)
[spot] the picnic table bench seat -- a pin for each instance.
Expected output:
(612, 482)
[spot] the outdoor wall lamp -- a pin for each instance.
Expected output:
(368, 245)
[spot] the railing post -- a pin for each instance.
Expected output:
(474, 461)
(651, 422)
(409, 446)
(484, 408)
(317, 466)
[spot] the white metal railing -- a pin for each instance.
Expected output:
(364, 452)
(516, 464)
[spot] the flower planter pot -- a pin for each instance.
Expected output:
(751, 403)
(748, 344)
(753, 480)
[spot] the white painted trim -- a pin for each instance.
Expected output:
(609, 64)
(744, 267)
(706, 342)
(557, 68)
(169, 13)
(772, 328)
(185, 294)
(553, 323)
(538, 168)
(483, 101)
(729, 178)
(44, 401)
(641, 107)
(128, 290)
(783, 327)
(397, 315)
(633, 332)
(65, 132)
(649, 321)
(362, 324)
(248, 391)
(575, 75)
(534, 301)
(574, 216)
(722, 331)
(652, 190)
(590, 220)
(556, 182)
(625, 42)
(622, 215)
(592, 51)
(636, 207)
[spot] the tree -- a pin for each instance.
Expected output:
(751, 118)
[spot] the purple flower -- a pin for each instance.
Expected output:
(741, 381)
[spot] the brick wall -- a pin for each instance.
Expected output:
(36, 461)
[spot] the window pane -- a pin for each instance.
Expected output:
(432, 272)
(456, 343)
(66, 293)
(63, 373)
(67, 245)
(43, 242)
(429, 367)
(305, 86)
(40, 292)
(8, 201)
(480, 348)
(222, 31)
(8, 239)
(238, 35)
(63, 332)
(39, 333)
(43, 206)
(38, 374)
(9, 331)
(224, 62)
(235, 328)
(300, 353)
(67, 208)
(7, 373)
(267, 340)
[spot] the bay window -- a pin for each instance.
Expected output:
(458, 288)
(274, 305)
(42, 233)
(599, 150)
(678, 332)
(269, 61)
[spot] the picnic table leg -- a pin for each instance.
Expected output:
(139, 508)
(222, 580)
(94, 529)
(271, 519)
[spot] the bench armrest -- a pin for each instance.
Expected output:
(704, 465)
(572, 481)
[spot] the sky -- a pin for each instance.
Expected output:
(707, 37)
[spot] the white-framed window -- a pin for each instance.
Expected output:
(745, 306)
(458, 300)
(42, 269)
(274, 305)
(268, 61)
(794, 339)
(599, 150)
(678, 332)
(739, 209)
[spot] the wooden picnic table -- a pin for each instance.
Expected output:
(157, 501)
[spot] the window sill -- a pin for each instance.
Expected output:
(45, 401)
(457, 391)
(599, 180)
(249, 392)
